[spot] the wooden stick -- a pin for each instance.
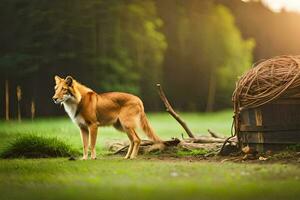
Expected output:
(225, 142)
(213, 134)
(205, 139)
(172, 142)
(6, 100)
(170, 110)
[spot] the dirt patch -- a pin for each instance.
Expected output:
(209, 152)
(285, 157)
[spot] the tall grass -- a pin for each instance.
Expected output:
(33, 146)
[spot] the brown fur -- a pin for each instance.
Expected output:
(90, 110)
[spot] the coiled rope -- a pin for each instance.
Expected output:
(265, 82)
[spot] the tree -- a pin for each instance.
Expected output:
(205, 50)
(228, 54)
(108, 45)
(129, 54)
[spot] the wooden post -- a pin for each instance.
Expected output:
(19, 97)
(32, 110)
(6, 100)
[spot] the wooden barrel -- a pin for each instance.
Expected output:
(273, 126)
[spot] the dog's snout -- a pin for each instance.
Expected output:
(54, 99)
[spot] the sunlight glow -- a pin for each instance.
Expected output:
(278, 5)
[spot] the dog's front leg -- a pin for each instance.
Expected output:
(85, 141)
(93, 140)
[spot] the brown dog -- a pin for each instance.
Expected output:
(89, 110)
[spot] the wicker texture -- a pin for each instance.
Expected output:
(267, 81)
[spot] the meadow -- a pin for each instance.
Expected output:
(112, 177)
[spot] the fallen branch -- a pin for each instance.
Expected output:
(213, 134)
(170, 110)
(207, 146)
(125, 146)
(120, 150)
(229, 142)
(207, 143)
(204, 139)
(121, 147)
(175, 144)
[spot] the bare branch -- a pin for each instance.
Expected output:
(213, 134)
(170, 110)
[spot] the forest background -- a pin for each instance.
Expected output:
(195, 49)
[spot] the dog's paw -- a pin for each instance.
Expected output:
(132, 157)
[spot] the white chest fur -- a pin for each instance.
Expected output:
(71, 109)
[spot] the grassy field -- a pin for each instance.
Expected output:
(111, 177)
(165, 126)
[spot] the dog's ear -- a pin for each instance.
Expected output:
(57, 79)
(69, 80)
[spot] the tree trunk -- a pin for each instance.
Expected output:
(6, 100)
(97, 32)
(32, 110)
(211, 92)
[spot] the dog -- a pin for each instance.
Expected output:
(89, 110)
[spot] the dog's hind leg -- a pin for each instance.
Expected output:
(136, 144)
(129, 148)
(93, 139)
(128, 120)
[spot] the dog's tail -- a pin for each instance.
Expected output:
(148, 129)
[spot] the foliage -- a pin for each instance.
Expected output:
(108, 45)
(210, 54)
(132, 48)
(126, 45)
(295, 148)
(193, 152)
(275, 33)
(195, 48)
(33, 146)
(236, 56)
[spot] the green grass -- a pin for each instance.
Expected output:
(33, 146)
(111, 177)
(165, 126)
(125, 179)
(194, 152)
